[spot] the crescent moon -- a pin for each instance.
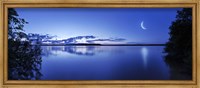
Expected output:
(142, 25)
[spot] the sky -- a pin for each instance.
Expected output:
(101, 22)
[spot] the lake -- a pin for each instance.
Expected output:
(104, 63)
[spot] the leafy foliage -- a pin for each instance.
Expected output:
(179, 46)
(15, 25)
(24, 59)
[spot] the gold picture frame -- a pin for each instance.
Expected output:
(194, 83)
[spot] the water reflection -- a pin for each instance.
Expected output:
(90, 63)
(144, 52)
(81, 50)
(77, 50)
(103, 63)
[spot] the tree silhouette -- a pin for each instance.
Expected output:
(24, 60)
(179, 46)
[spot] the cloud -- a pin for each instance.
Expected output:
(87, 39)
(74, 39)
(110, 39)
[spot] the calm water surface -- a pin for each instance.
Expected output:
(103, 63)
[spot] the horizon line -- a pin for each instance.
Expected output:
(101, 44)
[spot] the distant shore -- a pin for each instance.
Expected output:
(102, 44)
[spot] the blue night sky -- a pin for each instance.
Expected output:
(101, 22)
